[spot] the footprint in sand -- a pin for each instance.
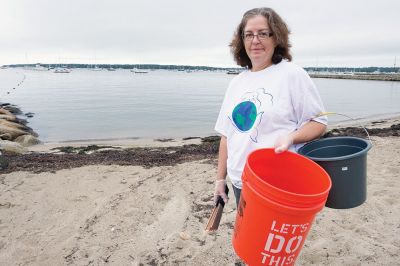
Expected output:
(80, 198)
(169, 222)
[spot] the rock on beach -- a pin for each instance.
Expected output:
(14, 134)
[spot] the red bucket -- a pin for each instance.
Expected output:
(281, 195)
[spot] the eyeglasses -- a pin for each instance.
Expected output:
(261, 35)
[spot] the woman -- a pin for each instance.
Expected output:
(273, 103)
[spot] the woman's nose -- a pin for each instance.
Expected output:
(255, 39)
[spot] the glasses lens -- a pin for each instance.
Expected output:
(263, 35)
(248, 36)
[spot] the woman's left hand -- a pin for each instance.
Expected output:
(309, 131)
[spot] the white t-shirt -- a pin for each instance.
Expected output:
(261, 106)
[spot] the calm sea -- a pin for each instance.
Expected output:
(105, 104)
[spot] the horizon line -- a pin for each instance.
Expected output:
(177, 65)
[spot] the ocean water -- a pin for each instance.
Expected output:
(104, 104)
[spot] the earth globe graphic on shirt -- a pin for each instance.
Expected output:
(244, 115)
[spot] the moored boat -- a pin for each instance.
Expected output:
(62, 70)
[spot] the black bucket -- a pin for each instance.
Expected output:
(345, 160)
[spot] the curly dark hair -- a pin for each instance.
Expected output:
(280, 33)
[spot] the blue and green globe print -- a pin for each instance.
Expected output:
(244, 115)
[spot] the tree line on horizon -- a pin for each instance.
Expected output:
(371, 69)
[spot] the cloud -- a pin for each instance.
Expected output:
(191, 32)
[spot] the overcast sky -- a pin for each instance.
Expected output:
(324, 33)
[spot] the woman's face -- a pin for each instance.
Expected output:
(259, 48)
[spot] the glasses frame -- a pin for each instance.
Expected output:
(268, 35)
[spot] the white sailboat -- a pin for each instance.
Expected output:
(39, 67)
(96, 68)
(137, 71)
(62, 70)
(110, 68)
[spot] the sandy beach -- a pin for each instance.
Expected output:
(63, 209)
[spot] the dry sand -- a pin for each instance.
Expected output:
(130, 215)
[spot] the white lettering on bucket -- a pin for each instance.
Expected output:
(268, 244)
(285, 228)
(290, 242)
(279, 245)
(277, 261)
(282, 243)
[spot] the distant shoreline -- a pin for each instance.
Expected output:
(382, 77)
(360, 73)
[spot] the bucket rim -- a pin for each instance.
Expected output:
(309, 197)
(316, 207)
(337, 158)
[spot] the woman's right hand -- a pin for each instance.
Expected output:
(220, 190)
(283, 143)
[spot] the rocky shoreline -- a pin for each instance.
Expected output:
(67, 157)
(15, 135)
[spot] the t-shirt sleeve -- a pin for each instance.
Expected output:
(307, 100)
